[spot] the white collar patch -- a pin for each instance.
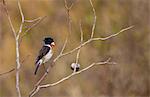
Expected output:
(47, 45)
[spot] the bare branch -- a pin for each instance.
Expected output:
(64, 46)
(17, 46)
(81, 31)
(11, 70)
(9, 18)
(94, 39)
(17, 51)
(66, 41)
(78, 54)
(32, 26)
(94, 21)
(35, 90)
(81, 41)
(22, 19)
(68, 8)
(33, 20)
(113, 35)
(69, 28)
(66, 5)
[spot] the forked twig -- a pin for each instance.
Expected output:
(37, 21)
(91, 40)
(9, 18)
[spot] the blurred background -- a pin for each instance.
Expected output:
(131, 75)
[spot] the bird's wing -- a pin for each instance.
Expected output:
(42, 52)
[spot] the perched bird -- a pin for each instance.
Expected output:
(75, 67)
(45, 53)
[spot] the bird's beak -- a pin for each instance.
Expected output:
(53, 44)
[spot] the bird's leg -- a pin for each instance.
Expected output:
(45, 68)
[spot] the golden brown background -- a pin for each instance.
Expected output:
(130, 77)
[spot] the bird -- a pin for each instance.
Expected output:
(45, 53)
(75, 67)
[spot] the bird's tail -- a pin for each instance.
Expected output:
(36, 69)
(37, 66)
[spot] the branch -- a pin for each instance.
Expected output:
(68, 8)
(94, 21)
(11, 70)
(81, 41)
(36, 89)
(113, 35)
(9, 18)
(22, 19)
(17, 51)
(91, 40)
(33, 20)
(37, 21)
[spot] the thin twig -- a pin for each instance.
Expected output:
(22, 19)
(33, 20)
(94, 21)
(9, 18)
(68, 8)
(113, 35)
(81, 41)
(4, 73)
(81, 31)
(32, 26)
(13, 69)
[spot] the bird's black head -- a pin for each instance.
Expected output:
(48, 40)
